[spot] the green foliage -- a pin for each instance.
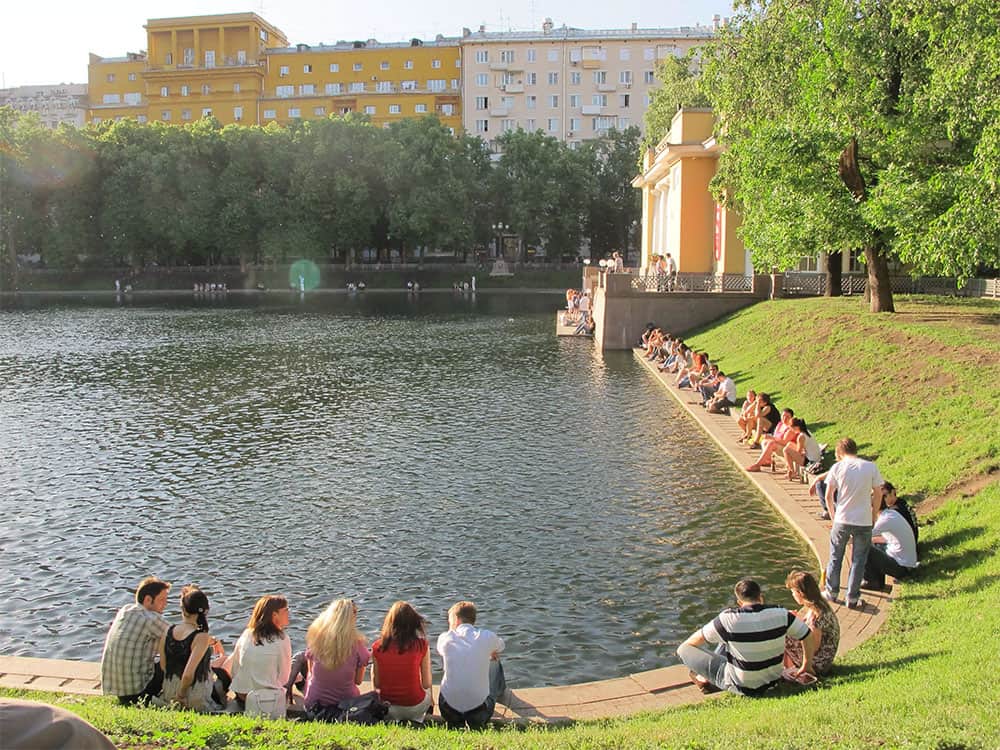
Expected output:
(913, 83)
(679, 86)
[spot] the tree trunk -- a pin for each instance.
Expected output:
(834, 274)
(879, 288)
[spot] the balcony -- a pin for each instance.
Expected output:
(499, 66)
(591, 109)
(499, 111)
(589, 64)
(513, 88)
(606, 86)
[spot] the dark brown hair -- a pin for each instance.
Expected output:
(194, 602)
(403, 628)
(151, 587)
(747, 590)
(262, 619)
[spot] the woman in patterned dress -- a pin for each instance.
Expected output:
(823, 624)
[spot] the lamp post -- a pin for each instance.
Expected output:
(499, 229)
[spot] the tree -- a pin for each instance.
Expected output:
(679, 86)
(614, 205)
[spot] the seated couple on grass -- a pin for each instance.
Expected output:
(757, 644)
(789, 438)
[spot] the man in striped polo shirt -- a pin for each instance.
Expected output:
(750, 640)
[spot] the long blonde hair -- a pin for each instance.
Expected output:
(333, 635)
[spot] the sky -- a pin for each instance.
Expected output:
(49, 42)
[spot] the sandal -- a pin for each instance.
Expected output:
(753, 467)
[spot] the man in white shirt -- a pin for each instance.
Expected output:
(473, 677)
(894, 545)
(854, 488)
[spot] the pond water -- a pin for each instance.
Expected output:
(379, 446)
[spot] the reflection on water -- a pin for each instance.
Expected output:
(383, 446)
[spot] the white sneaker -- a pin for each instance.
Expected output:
(829, 597)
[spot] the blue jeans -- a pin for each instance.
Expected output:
(708, 664)
(861, 542)
(821, 496)
(478, 717)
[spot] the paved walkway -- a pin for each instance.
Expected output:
(644, 691)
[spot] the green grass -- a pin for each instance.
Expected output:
(928, 680)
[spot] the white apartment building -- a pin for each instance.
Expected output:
(54, 103)
(572, 84)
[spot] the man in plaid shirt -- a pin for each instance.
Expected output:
(127, 666)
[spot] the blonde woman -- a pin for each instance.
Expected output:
(824, 627)
(336, 654)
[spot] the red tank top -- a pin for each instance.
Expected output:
(399, 673)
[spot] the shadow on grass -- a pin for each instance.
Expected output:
(853, 671)
(970, 588)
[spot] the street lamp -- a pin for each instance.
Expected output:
(499, 229)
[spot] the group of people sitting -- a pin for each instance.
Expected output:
(578, 305)
(147, 660)
(211, 287)
(691, 369)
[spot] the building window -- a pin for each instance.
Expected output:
(624, 100)
(165, 115)
(647, 100)
(241, 57)
(307, 89)
(625, 77)
(553, 78)
(168, 59)
(508, 125)
(394, 109)
(603, 123)
(574, 55)
(505, 79)
(623, 123)
(599, 100)
(237, 113)
(269, 114)
(531, 55)
(408, 65)
(333, 89)
(529, 124)
(206, 112)
(648, 76)
(112, 99)
(448, 109)
(553, 124)
(294, 112)
(283, 71)
(574, 124)
(454, 84)
(284, 91)
(531, 79)
(131, 76)
(420, 109)
(575, 78)
(482, 56)
(506, 55)
(185, 114)
(210, 58)
(553, 55)
(141, 119)
(111, 77)
(383, 87)
(319, 111)
(236, 87)
(649, 54)
(188, 56)
(205, 89)
(164, 91)
(554, 101)
(263, 35)
(185, 90)
(574, 101)
(357, 87)
(482, 126)
(507, 101)
(356, 67)
(482, 79)
(531, 101)
(458, 62)
(133, 98)
(408, 85)
(600, 77)
(482, 102)
(384, 65)
(624, 54)
(334, 68)
(370, 109)
(436, 84)
(435, 63)
(307, 68)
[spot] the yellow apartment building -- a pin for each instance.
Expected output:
(387, 82)
(239, 68)
(679, 214)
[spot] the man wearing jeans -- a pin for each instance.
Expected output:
(857, 486)
(473, 676)
(751, 645)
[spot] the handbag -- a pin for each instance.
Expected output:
(367, 708)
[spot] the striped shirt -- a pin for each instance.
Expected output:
(754, 637)
(127, 663)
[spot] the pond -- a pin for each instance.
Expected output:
(380, 446)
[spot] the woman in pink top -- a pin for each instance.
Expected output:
(337, 654)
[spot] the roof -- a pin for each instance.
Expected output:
(566, 33)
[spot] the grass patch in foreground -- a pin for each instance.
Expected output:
(927, 681)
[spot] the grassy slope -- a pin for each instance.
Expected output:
(928, 680)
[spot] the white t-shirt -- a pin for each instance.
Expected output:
(585, 303)
(728, 388)
(901, 545)
(256, 667)
(854, 479)
(466, 652)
